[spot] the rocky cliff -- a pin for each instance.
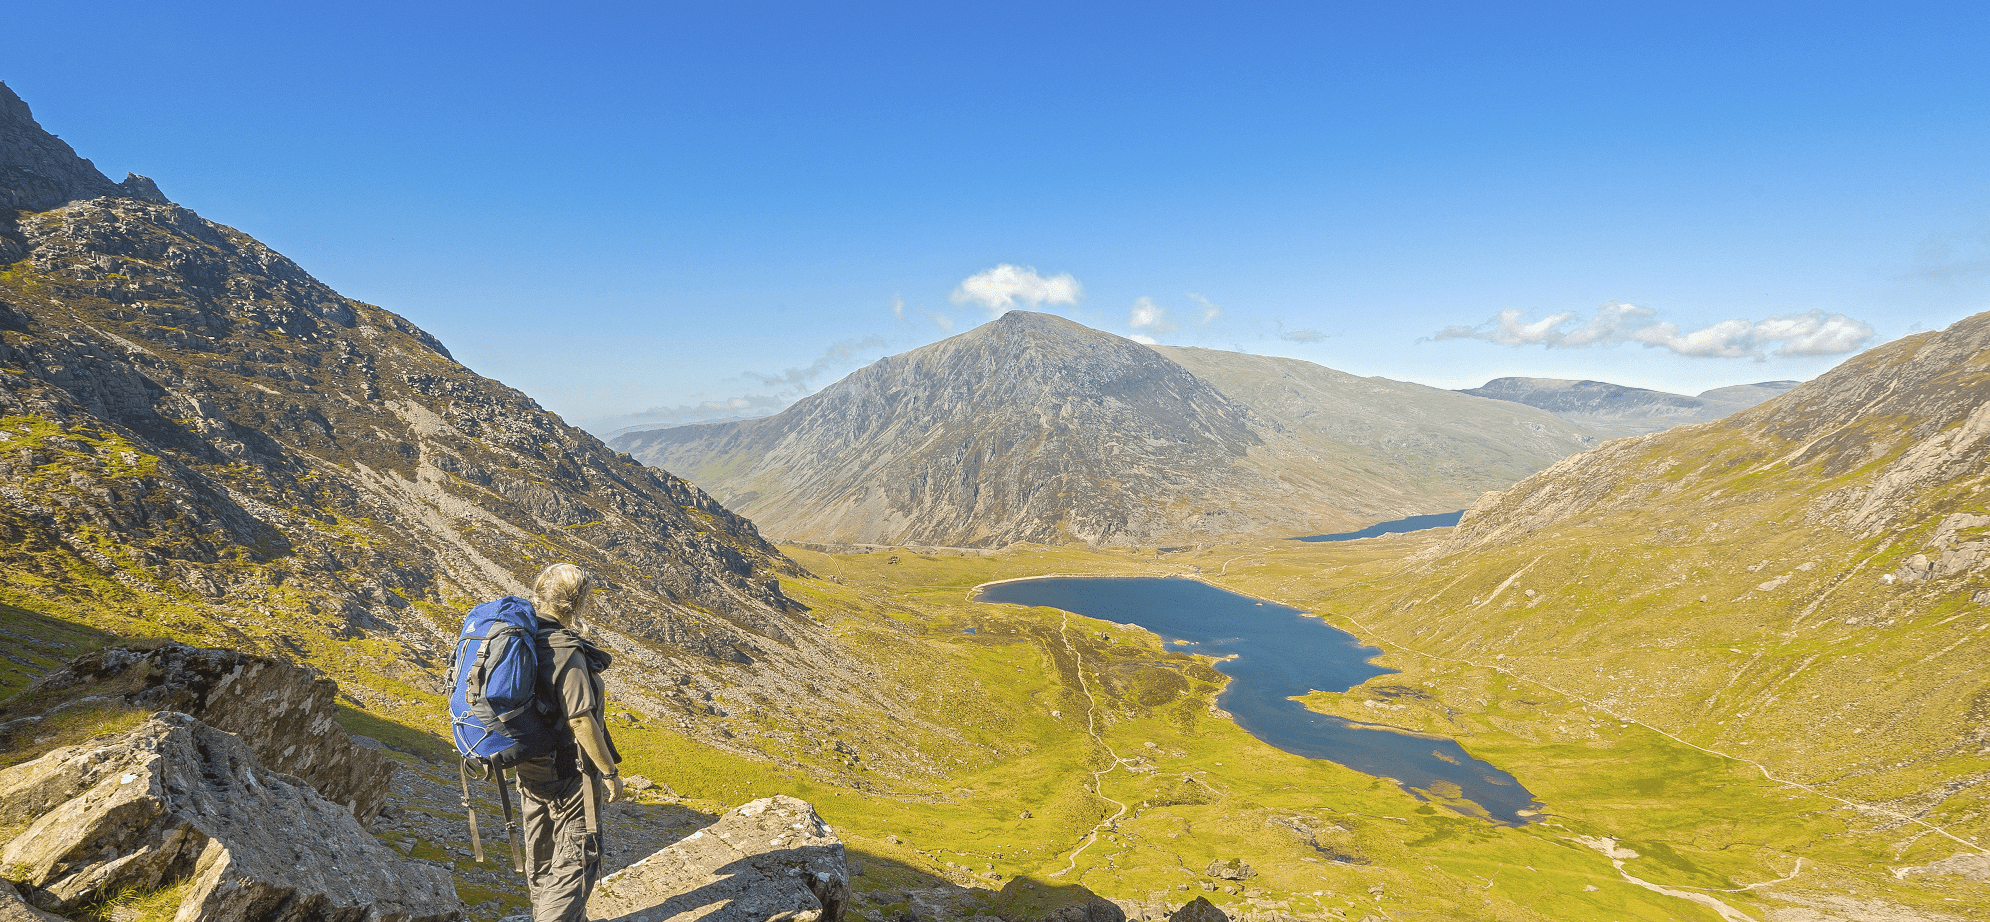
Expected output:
(1615, 410)
(1036, 428)
(199, 439)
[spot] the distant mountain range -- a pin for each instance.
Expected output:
(1036, 428)
(1615, 411)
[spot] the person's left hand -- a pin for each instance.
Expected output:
(614, 787)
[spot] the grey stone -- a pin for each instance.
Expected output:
(1201, 910)
(1232, 869)
(178, 801)
(771, 859)
(15, 909)
(1093, 909)
(283, 712)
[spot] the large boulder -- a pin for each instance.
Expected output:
(178, 803)
(772, 859)
(284, 712)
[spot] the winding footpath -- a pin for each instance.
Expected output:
(1092, 729)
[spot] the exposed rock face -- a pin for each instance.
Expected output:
(771, 859)
(196, 435)
(1616, 410)
(1035, 428)
(179, 802)
(283, 712)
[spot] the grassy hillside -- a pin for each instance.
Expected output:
(974, 715)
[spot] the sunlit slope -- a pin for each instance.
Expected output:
(1792, 585)
(1445, 446)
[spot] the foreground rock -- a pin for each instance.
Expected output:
(283, 712)
(177, 802)
(769, 859)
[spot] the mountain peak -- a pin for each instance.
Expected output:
(39, 171)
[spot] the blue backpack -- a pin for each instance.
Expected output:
(493, 679)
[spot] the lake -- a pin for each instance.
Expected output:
(1278, 652)
(1412, 523)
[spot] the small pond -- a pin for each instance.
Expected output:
(1277, 652)
(1412, 523)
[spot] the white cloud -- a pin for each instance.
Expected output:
(1146, 315)
(1006, 287)
(1297, 336)
(897, 307)
(1210, 310)
(944, 322)
(838, 355)
(1144, 339)
(1810, 333)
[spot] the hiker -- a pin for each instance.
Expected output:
(560, 791)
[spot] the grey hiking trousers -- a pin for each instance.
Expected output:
(562, 862)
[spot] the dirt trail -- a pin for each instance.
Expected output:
(1092, 729)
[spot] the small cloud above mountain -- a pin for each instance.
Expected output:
(1810, 333)
(1146, 315)
(1297, 336)
(1007, 287)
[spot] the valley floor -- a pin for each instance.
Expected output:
(1033, 759)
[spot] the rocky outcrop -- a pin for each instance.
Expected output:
(178, 803)
(38, 171)
(283, 712)
(1199, 910)
(771, 859)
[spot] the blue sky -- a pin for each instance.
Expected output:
(648, 207)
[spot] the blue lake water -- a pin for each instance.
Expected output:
(1413, 523)
(1278, 652)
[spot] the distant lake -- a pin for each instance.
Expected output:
(1413, 523)
(1279, 652)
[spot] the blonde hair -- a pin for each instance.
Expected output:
(559, 593)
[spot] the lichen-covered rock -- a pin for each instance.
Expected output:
(1201, 910)
(178, 802)
(769, 859)
(283, 712)
(15, 909)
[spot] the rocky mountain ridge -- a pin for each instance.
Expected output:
(1615, 410)
(1447, 446)
(200, 440)
(1034, 428)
